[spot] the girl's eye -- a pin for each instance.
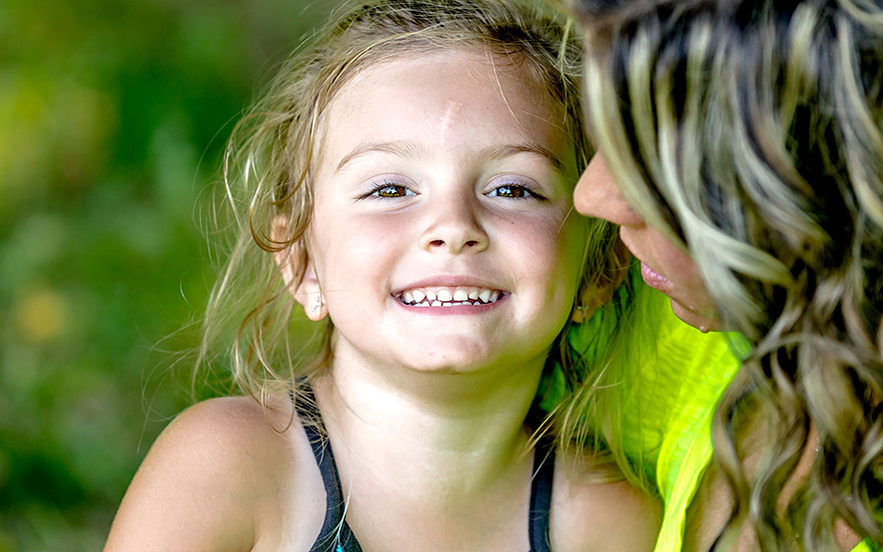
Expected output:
(514, 191)
(386, 190)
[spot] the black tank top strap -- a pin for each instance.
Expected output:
(541, 495)
(335, 535)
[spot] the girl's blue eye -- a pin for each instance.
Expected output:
(514, 191)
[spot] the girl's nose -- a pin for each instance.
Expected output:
(454, 228)
(597, 195)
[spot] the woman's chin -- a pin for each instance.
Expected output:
(702, 320)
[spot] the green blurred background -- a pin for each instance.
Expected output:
(113, 114)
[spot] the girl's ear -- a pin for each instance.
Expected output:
(306, 291)
(285, 257)
(309, 295)
(591, 298)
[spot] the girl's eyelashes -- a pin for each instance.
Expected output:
(506, 188)
(386, 189)
(516, 191)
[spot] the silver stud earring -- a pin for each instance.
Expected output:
(317, 302)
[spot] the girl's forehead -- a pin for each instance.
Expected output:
(480, 71)
(470, 87)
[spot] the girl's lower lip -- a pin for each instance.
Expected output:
(654, 279)
(454, 309)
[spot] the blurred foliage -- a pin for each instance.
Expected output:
(112, 119)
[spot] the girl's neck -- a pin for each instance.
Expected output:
(446, 435)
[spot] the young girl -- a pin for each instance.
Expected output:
(408, 182)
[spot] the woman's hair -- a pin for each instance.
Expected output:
(271, 162)
(752, 132)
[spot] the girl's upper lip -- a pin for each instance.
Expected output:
(449, 281)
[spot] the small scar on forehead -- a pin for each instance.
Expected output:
(446, 117)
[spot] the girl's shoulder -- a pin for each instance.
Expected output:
(219, 478)
(593, 506)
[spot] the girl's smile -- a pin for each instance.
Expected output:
(438, 296)
(440, 237)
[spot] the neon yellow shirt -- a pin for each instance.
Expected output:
(667, 409)
(667, 416)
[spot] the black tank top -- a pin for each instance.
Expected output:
(336, 535)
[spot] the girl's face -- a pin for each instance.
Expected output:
(440, 237)
(663, 265)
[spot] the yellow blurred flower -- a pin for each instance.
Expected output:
(41, 316)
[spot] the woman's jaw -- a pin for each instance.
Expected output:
(665, 267)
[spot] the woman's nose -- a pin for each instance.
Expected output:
(454, 227)
(597, 195)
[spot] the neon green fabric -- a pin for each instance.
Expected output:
(667, 404)
(667, 415)
(867, 546)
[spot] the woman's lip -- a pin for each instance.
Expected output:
(654, 279)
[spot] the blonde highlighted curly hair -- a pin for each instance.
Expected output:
(752, 132)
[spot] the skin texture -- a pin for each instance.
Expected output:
(465, 199)
(664, 266)
(424, 408)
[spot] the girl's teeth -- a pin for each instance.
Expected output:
(449, 297)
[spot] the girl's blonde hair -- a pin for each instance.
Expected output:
(752, 132)
(270, 163)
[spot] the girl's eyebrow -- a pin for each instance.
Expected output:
(401, 148)
(411, 149)
(506, 150)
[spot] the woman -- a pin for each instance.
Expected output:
(743, 157)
